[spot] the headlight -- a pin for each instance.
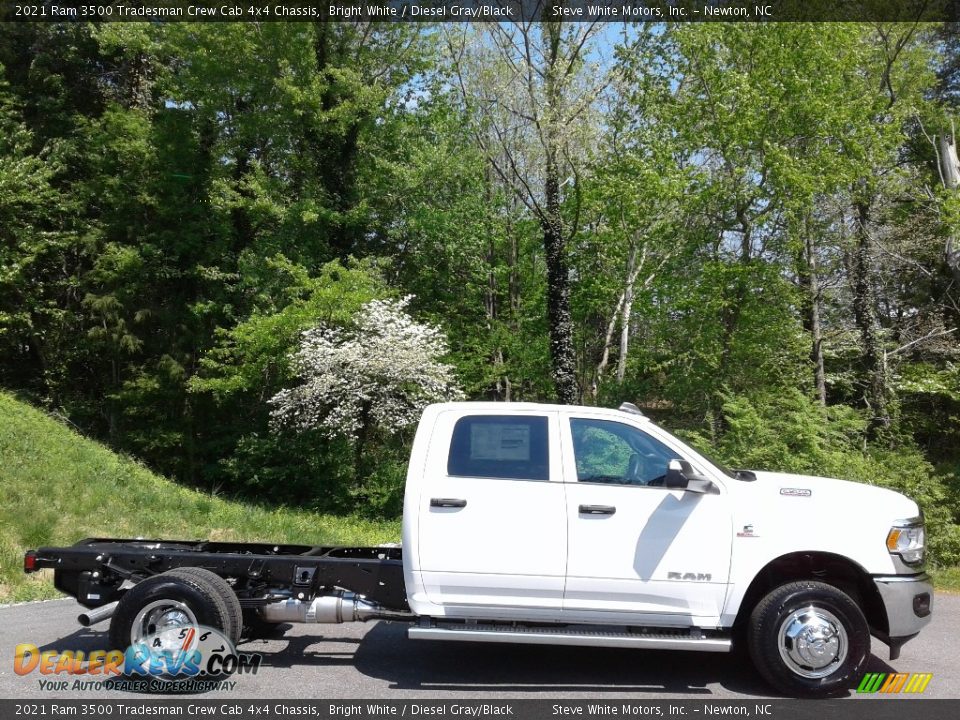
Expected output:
(907, 539)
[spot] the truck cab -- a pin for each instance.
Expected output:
(587, 517)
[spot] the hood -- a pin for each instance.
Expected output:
(842, 495)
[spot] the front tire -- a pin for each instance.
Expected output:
(809, 639)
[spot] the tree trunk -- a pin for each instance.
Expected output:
(562, 355)
(360, 445)
(730, 317)
(562, 358)
(950, 172)
(625, 320)
(810, 278)
(514, 265)
(615, 317)
(137, 83)
(864, 313)
(513, 292)
(491, 290)
(607, 344)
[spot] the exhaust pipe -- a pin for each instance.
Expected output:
(339, 608)
(92, 617)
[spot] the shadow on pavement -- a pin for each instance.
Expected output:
(385, 653)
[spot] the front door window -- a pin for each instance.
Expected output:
(614, 453)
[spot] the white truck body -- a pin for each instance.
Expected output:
(504, 522)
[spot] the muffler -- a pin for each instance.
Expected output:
(339, 608)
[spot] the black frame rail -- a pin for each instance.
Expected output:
(92, 569)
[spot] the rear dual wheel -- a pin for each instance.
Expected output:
(180, 598)
(220, 586)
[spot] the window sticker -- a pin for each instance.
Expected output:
(489, 441)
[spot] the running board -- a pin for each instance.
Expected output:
(692, 640)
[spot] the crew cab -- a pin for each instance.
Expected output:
(547, 524)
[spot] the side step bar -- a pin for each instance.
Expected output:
(692, 640)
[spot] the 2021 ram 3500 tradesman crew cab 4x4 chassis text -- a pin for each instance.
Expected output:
(547, 524)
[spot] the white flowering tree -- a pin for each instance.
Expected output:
(381, 373)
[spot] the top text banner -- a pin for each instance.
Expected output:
(485, 11)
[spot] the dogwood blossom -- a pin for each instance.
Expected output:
(383, 372)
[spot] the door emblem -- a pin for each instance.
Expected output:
(702, 577)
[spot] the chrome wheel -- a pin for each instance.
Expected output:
(812, 642)
(157, 618)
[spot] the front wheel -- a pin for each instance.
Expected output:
(809, 639)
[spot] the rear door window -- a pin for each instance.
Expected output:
(500, 446)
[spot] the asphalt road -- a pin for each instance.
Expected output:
(378, 661)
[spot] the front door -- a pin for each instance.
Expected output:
(493, 527)
(636, 547)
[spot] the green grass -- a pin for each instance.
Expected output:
(57, 487)
(946, 579)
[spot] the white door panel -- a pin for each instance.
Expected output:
(490, 589)
(635, 546)
(506, 546)
(662, 551)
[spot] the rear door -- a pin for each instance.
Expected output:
(493, 526)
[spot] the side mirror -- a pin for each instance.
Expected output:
(681, 476)
(675, 479)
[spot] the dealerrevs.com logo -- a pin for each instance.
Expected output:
(177, 659)
(894, 682)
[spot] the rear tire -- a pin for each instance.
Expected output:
(222, 588)
(809, 639)
(192, 598)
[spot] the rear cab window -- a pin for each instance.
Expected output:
(507, 447)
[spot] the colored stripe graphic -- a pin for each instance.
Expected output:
(894, 683)
(891, 683)
(918, 683)
(871, 682)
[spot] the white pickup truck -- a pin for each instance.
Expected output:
(546, 524)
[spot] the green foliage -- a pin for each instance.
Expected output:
(253, 356)
(789, 432)
(178, 202)
(378, 492)
(293, 469)
(97, 493)
(250, 363)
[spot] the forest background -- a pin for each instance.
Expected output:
(750, 231)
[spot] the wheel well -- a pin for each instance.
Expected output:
(836, 570)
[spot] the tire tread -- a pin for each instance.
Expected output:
(133, 599)
(764, 625)
(222, 588)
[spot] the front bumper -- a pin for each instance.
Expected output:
(908, 601)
